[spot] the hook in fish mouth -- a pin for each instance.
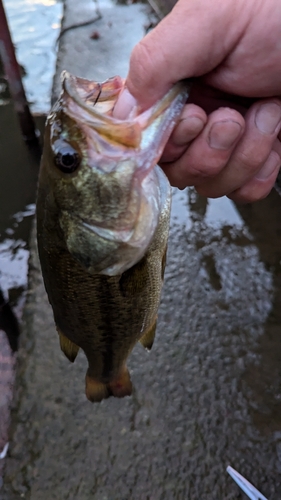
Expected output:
(94, 103)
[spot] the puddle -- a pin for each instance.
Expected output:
(35, 26)
(188, 206)
(222, 212)
(18, 181)
(13, 264)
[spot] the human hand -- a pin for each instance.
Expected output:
(228, 138)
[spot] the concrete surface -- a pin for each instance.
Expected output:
(18, 180)
(118, 30)
(7, 368)
(208, 394)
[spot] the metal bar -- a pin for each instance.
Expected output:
(13, 75)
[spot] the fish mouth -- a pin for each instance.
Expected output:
(147, 132)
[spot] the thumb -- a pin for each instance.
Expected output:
(191, 41)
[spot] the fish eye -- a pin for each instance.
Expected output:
(67, 159)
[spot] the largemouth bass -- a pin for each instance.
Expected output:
(103, 213)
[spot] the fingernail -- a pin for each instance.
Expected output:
(271, 164)
(223, 134)
(268, 117)
(124, 105)
(189, 126)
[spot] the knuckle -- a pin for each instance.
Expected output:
(249, 161)
(251, 155)
(211, 168)
(215, 169)
(250, 193)
(205, 167)
(202, 175)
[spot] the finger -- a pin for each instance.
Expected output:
(260, 186)
(191, 123)
(186, 43)
(263, 123)
(124, 105)
(211, 99)
(209, 152)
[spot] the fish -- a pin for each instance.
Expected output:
(103, 211)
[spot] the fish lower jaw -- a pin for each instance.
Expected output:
(119, 387)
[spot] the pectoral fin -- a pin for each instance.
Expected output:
(68, 348)
(148, 338)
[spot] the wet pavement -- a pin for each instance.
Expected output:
(18, 178)
(35, 27)
(30, 22)
(207, 395)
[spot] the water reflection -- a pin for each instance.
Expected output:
(35, 27)
(14, 256)
(14, 253)
(13, 264)
(47, 3)
(188, 207)
(18, 178)
(223, 212)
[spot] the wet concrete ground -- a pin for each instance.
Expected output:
(33, 26)
(18, 179)
(209, 393)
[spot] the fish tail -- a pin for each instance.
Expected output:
(96, 391)
(119, 387)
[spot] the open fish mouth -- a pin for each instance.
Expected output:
(145, 132)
